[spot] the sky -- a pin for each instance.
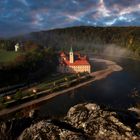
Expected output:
(25, 16)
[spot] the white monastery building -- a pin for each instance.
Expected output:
(73, 63)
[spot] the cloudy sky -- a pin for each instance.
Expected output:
(24, 16)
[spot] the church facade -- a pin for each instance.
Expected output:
(73, 63)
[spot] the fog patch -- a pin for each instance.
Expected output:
(117, 51)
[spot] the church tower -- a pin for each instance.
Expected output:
(71, 56)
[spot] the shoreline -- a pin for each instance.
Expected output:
(97, 75)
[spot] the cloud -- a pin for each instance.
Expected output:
(24, 2)
(102, 9)
(22, 16)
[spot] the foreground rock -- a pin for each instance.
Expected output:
(100, 124)
(11, 129)
(86, 122)
(47, 131)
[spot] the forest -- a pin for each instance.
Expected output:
(39, 50)
(88, 38)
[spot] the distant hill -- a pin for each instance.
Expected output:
(85, 38)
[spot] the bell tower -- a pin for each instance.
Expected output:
(71, 56)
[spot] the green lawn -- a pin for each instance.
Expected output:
(8, 56)
(22, 96)
(50, 80)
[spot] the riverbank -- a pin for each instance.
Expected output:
(98, 75)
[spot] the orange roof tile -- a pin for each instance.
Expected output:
(62, 54)
(77, 62)
(80, 60)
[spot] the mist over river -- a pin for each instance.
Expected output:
(115, 90)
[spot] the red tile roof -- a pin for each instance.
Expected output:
(62, 54)
(78, 61)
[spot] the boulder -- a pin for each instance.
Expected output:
(99, 123)
(40, 131)
(86, 121)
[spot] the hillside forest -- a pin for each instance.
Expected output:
(38, 55)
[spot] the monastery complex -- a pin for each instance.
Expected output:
(73, 63)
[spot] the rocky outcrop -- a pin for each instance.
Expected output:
(11, 129)
(100, 124)
(47, 131)
(39, 131)
(86, 122)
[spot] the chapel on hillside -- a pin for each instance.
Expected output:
(73, 63)
(17, 47)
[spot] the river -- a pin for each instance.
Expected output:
(115, 90)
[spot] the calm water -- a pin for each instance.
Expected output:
(114, 90)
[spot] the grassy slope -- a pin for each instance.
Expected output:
(8, 56)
